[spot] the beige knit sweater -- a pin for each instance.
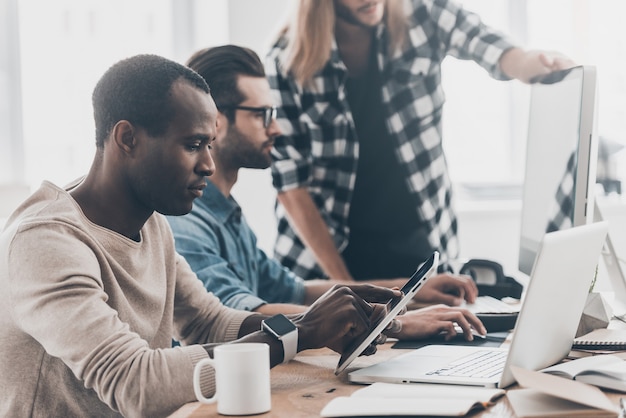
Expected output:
(87, 316)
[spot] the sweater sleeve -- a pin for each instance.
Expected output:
(60, 299)
(195, 307)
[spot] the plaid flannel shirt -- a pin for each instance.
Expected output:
(319, 148)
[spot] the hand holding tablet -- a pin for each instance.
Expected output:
(394, 307)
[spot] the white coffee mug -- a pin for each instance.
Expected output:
(242, 379)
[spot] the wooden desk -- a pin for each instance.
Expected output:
(303, 387)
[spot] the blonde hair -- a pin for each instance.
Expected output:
(311, 33)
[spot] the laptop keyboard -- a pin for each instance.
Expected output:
(483, 363)
(489, 304)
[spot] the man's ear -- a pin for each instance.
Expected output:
(123, 136)
(221, 125)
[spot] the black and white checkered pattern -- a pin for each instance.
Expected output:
(319, 148)
(562, 211)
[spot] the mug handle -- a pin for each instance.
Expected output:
(196, 381)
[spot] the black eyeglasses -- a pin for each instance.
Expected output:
(269, 112)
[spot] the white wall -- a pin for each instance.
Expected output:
(490, 229)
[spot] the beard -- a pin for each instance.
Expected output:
(241, 153)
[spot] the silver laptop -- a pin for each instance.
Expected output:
(556, 293)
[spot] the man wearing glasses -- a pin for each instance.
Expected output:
(268, 112)
(218, 243)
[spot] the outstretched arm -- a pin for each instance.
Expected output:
(446, 288)
(433, 320)
(524, 65)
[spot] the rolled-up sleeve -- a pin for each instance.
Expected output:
(466, 37)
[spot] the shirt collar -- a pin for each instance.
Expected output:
(222, 207)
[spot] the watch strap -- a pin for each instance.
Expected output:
(290, 345)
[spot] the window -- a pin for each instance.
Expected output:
(11, 144)
(65, 48)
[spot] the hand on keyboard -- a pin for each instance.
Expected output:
(433, 320)
(449, 289)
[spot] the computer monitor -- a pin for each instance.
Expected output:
(561, 157)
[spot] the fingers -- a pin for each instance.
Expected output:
(563, 63)
(363, 306)
(336, 319)
(450, 331)
(371, 349)
(467, 288)
(394, 327)
(378, 314)
(376, 294)
(359, 316)
(449, 299)
(381, 339)
(546, 60)
(476, 323)
(555, 61)
(465, 326)
(471, 288)
(438, 319)
(364, 315)
(468, 323)
(364, 318)
(449, 289)
(458, 300)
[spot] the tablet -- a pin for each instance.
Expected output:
(393, 308)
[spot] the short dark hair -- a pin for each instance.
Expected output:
(220, 66)
(137, 89)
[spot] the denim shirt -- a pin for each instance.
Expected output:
(221, 248)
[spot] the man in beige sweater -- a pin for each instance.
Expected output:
(91, 287)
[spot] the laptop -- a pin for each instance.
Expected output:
(551, 310)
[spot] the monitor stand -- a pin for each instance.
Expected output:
(615, 272)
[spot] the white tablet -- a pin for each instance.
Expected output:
(393, 308)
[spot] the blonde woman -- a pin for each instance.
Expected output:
(363, 186)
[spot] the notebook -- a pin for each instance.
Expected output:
(602, 339)
(547, 322)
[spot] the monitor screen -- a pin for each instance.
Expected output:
(561, 157)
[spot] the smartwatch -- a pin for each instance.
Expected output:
(285, 331)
